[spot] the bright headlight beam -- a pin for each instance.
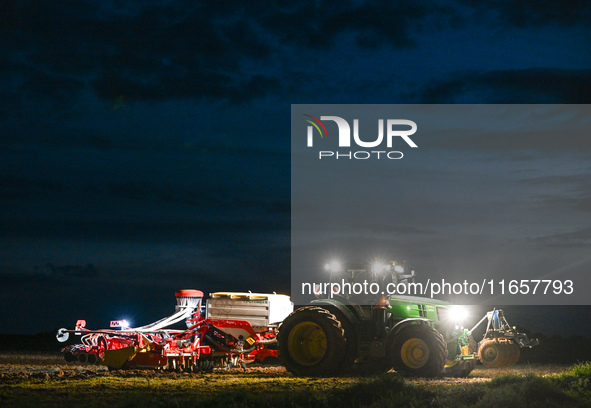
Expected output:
(459, 313)
(333, 266)
(379, 267)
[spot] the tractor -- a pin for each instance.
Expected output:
(368, 334)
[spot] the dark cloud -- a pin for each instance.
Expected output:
(134, 191)
(163, 51)
(576, 191)
(573, 239)
(23, 188)
(187, 190)
(523, 13)
(51, 86)
(67, 271)
(219, 198)
(386, 229)
(378, 23)
(523, 85)
(190, 232)
(580, 201)
(52, 274)
(280, 207)
(581, 181)
(157, 53)
(372, 23)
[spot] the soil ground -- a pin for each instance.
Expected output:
(44, 379)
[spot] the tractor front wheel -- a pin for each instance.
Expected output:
(312, 342)
(418, 350)
(461, 368)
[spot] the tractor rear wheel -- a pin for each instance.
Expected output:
(312, 342)
(418, 350)
(350, 337)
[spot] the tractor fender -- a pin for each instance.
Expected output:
(349, 315)
(403, 324)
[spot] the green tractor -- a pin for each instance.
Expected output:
(370, 334)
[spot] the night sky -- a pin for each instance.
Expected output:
(146, 144)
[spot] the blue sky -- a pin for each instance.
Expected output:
(150, 140)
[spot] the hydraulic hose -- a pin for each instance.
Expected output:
(226, 348)
(266, 342)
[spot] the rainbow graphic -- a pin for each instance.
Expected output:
(316, 126)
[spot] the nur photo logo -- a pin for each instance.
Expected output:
(388, 130)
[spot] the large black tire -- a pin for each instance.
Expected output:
(349, 366)
(350, 337)
(417, 350)
(312, 343)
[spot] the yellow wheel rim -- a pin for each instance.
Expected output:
(307, 343)
(414, 353)
(451, 363)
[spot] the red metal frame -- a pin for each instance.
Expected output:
(207, 343)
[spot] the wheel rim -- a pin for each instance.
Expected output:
(307, 343)
(490, 353)
(414, 353)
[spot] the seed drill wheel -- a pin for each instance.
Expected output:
(69, 356)
(82, 358)
(418, 350)
(91, 358)
(498, 354)
(312, 342)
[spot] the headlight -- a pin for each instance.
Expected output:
(379, 267)
(458, 314)
(334, 266)
(453, 315)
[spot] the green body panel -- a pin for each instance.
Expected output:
(408, 307)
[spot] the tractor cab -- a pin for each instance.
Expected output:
(365, 283)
